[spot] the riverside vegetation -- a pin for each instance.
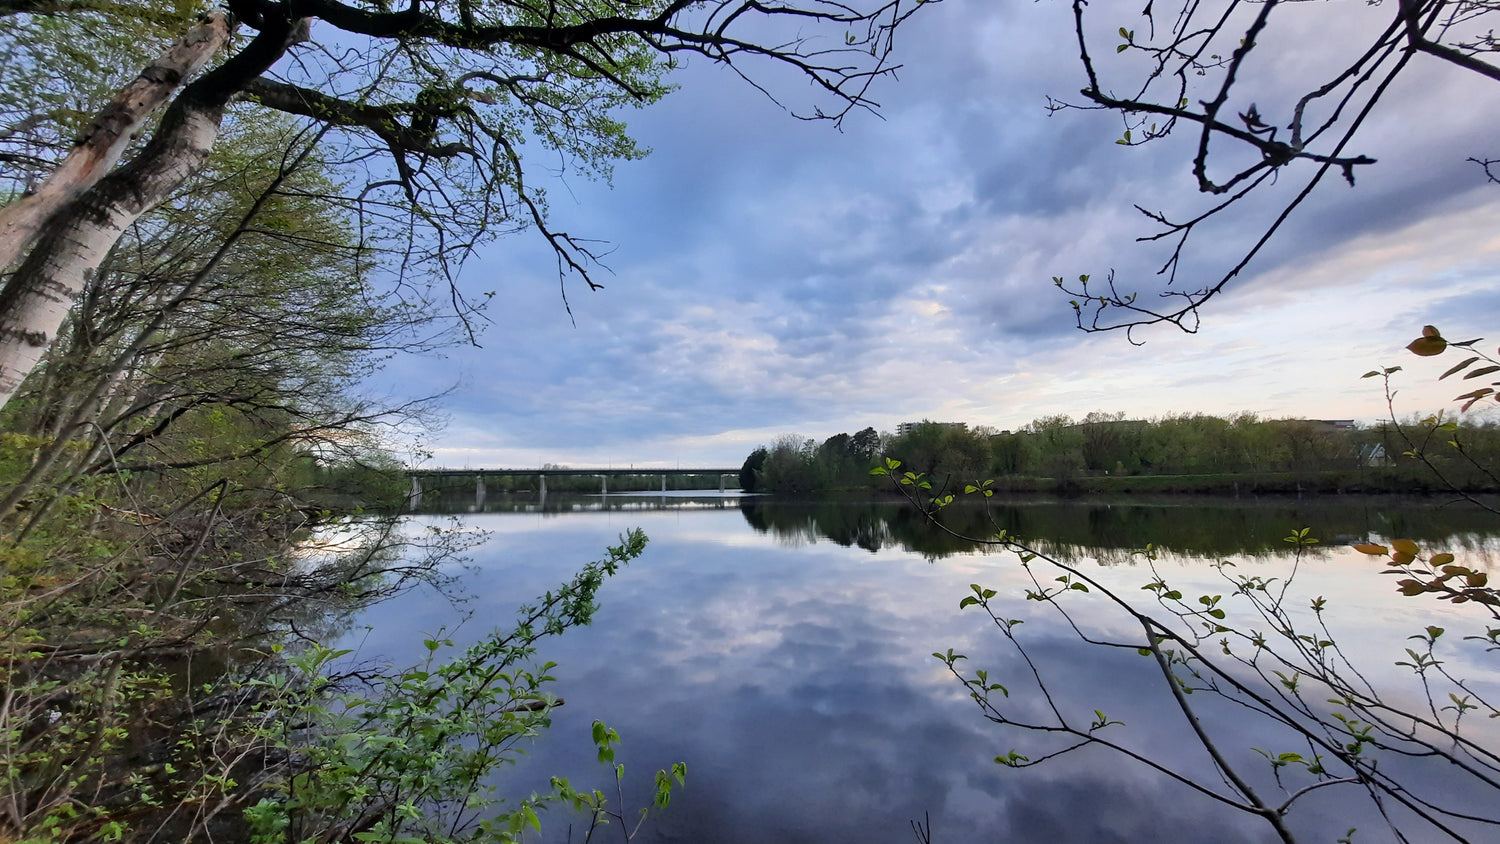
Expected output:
(1105, 453)
(248, 214)
(1420, 750)
(194, 502)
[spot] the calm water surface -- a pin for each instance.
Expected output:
(785, 653)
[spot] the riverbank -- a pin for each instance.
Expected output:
(1372, 481)
(1340, 482)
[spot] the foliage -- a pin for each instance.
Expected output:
(119, 666)
(411, 755)
(1189, 452)
(172, 548)
(1252, 649)
(750, 471)
(1449, 450)
(433, 117)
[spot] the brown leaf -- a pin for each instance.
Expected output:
(1372, 549)
(1473, 397)
(1430, 331)
(1427, 346)
(1458, 367)
(1405, 546)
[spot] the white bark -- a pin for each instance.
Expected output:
(112, 130)
(76, 240)
(65, 230)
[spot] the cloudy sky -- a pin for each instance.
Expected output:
(775, 276)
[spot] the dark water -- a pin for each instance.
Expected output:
(784, 651)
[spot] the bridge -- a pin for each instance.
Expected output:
(437, 475)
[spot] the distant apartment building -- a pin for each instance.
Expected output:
(907, 427)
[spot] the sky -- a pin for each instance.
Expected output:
(773, 276)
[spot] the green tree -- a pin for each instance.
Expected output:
(790, 466)
(865, 445)
(1103, 440)
(750, 472)
(424, 110)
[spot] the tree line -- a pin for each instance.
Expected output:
(1069, 453)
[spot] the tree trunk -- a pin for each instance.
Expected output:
(113, 129)
(36, 299)
(69, 244)
(68, 227)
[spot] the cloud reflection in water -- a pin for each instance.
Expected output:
(798, 685)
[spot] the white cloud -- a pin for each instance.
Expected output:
(777, 276)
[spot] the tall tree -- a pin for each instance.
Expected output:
(429, 107)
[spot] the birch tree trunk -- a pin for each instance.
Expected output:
(67, 227)
(36, 300)
(112, 130)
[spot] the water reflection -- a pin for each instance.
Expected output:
(1110, 531)
(447, 501)
(784, 652)
(1106, 531)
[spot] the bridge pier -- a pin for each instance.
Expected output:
(440, 476)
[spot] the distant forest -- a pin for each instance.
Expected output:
(1066, 454)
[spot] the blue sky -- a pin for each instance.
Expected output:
(772, 276)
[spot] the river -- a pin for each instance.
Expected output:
(784, 651)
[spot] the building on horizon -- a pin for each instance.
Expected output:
(907, 427)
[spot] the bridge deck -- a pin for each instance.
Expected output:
(610, 471)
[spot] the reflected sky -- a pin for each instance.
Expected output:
(797, 682)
